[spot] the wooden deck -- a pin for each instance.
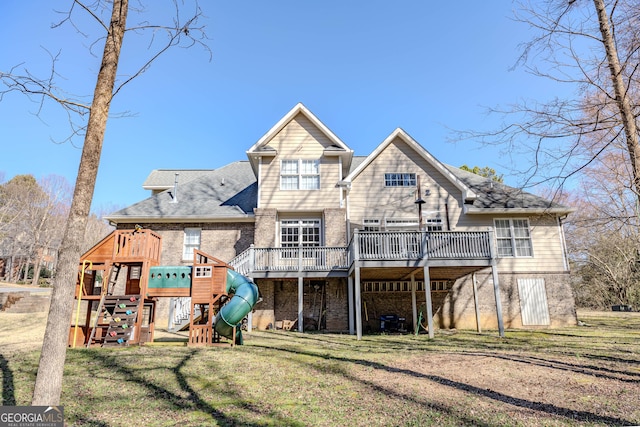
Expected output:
(371, 249)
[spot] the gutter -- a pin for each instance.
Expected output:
(181, 219)
(480, 211)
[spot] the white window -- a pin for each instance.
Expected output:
(513, 238)
(371, 225)
(300, 174)
(191, 242)
(303, 232)
(433, 224)
(399, 179)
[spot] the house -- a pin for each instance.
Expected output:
(339, 242)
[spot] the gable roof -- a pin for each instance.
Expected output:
(260, 148)
(225, 194)
(467, 192)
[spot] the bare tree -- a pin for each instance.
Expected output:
(592, 46)
(53, 214)
(50, 370)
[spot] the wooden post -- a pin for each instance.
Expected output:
(475, 301)
(414, 303)
(352, 329)
(427, 293)
(496, 283)
(356, 284)
(300, 303)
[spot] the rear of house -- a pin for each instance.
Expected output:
(344, 243)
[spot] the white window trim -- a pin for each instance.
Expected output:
(185, 244)
(400, 181)
(300, 174)
(513, 238)
(300, 224)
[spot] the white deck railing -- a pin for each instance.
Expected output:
(431, 244)
(402, 245)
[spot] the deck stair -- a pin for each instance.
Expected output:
(123, 310)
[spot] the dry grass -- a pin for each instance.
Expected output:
(587, 375)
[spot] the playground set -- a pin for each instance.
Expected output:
(121, 314)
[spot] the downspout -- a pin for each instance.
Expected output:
(259, 177)
(563, 244)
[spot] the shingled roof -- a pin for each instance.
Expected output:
(494, 197)
(229, 193)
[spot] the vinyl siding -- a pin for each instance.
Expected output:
(299, 139)
(545, 238)
(369, 198)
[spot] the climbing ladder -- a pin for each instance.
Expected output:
(124, 313)
(106, 291)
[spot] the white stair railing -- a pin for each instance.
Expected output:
(181, 311)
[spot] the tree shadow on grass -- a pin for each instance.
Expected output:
(573, 415)
(8, 387)
(193, 401)
(592, 370)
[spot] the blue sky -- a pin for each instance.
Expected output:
(363, 67)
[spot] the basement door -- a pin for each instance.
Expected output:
(533, 302)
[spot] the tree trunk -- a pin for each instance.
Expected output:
(621, 94)
(37, 267)
(48, 385)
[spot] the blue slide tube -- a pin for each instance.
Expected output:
(245, 296)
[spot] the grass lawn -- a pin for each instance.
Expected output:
(585, 375)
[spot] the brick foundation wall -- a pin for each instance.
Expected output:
(458, 310)
(279, 307)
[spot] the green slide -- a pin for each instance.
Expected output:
(245, 296)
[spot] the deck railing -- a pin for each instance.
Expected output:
(418, 245)
(300, 259)
(402, 245)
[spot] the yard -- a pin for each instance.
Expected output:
(586, 375)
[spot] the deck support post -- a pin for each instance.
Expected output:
(414, 304)
(352, 329)
(496, 283)
(300, 303)
(427, 293)
(356, 274)
(358, 299)
(475, 301)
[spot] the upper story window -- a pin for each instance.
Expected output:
(300, 174)
(399, 179)
(191, 242)
(513, 238)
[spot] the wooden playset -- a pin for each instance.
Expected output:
(120, 281)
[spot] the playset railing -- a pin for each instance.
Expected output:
(136, 244)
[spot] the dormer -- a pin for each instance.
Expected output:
(268, 144)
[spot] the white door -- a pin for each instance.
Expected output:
(533, 302)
